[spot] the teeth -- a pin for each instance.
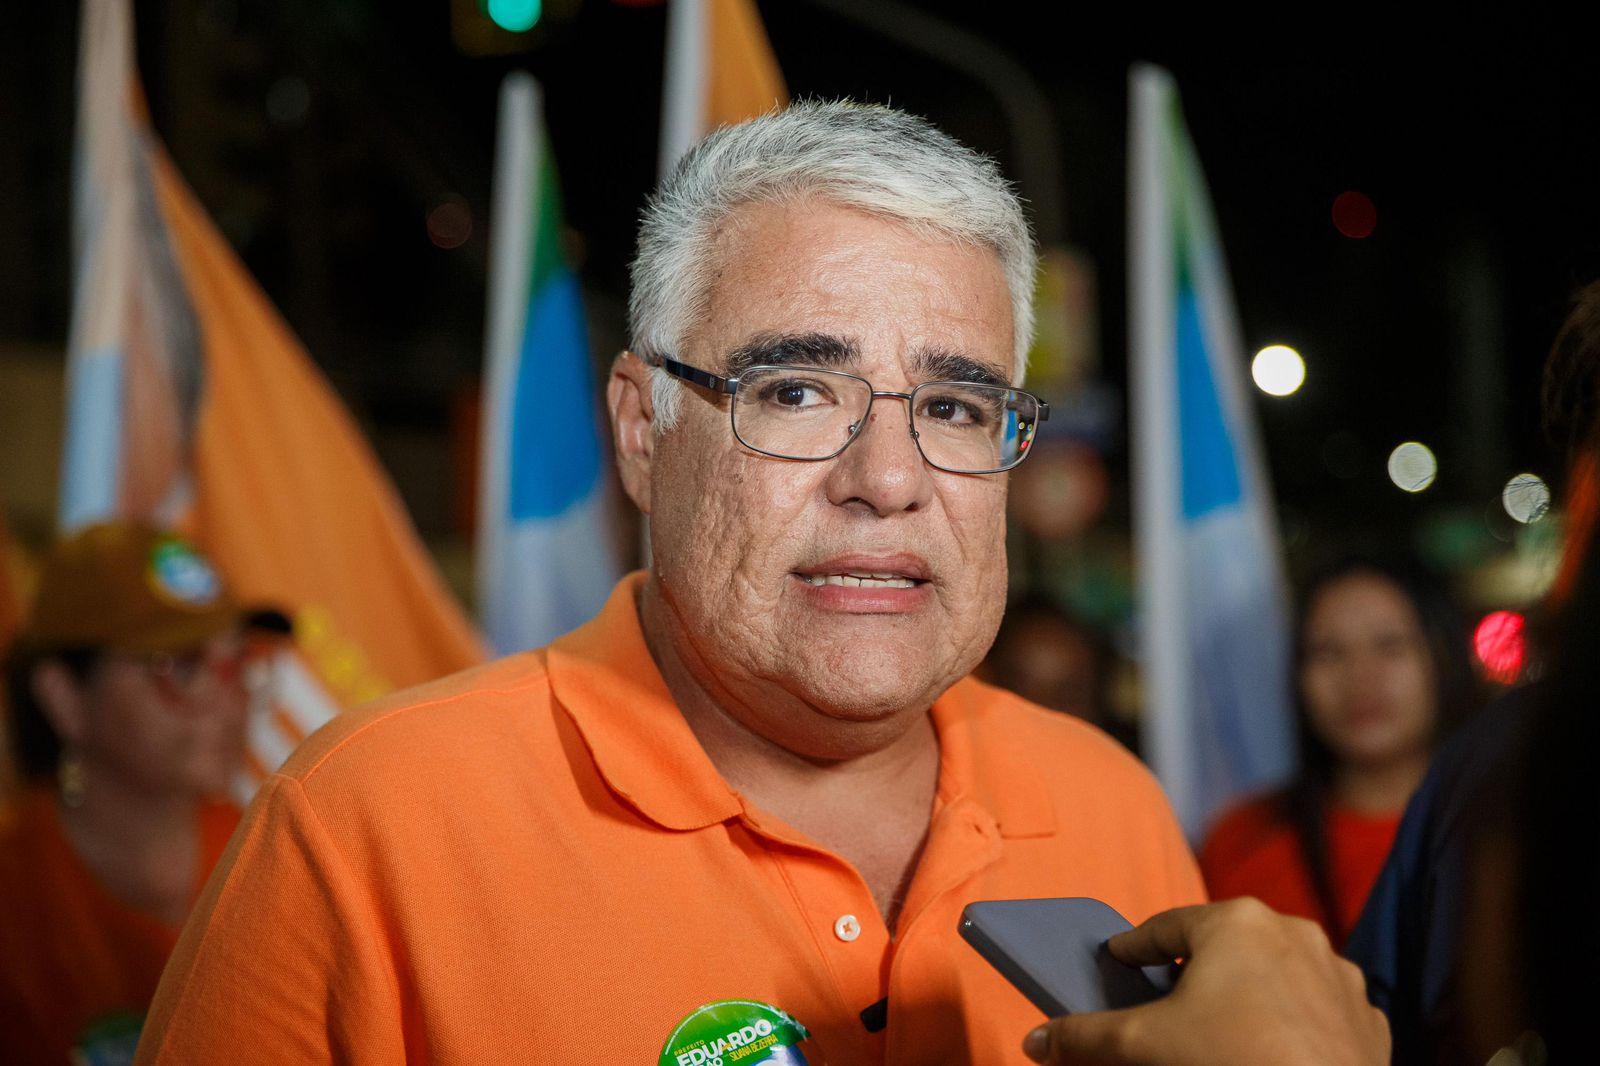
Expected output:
(866, 581)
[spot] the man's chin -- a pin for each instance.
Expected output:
(838, 730)
(863, 667)
(864, 698)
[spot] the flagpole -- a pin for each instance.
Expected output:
(1153, 420)
(512, 220)
(103, 232)
(684, 87)
(684, 92)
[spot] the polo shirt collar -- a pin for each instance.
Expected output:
(982, 759)
(604, 676)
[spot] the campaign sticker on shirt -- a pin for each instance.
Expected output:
(737, 1031)
(180, 573)
(109, 1041)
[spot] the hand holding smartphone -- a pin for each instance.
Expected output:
(1054, 952)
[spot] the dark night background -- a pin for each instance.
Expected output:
(321, 133)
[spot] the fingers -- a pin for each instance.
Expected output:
(1163, 938)
(1105, 1037)
(1260, 986)
(1383, 1039)
(1178, 933)
(1354, 980)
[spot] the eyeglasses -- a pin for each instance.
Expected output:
(810, 414)
(178, 674)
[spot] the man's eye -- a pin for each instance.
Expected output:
(954, 411)
(795, 394)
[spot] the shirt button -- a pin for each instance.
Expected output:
(847, 928)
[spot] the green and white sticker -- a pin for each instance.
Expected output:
(180, 573)
(737, 1032)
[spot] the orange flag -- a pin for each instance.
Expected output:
(720, 69)
(289, 499)
(192, 404)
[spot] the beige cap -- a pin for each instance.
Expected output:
(127, 587)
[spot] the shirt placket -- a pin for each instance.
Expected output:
(963, 841)
(840, 918)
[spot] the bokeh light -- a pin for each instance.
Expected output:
(1412, 466)
(1278, 370)
(517, 16)
(1526, 498)
(1500, 642)
(1354, 215)
(450, 224)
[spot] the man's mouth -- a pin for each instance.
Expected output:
(861, 570)
(865, 581)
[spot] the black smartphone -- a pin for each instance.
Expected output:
(1054, 952)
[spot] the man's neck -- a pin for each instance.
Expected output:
(744, 756)
(143, 847)
(871, 806)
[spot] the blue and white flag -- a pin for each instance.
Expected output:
(1213, 602)
(545, 559)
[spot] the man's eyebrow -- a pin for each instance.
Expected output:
(783, 349)
(942, 364)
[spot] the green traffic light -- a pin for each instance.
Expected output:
(517, 16)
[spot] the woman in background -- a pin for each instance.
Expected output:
(128, 714)
(1382, 672)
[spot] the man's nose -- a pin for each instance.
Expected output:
(882, 469)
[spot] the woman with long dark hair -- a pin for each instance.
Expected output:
(1381, 673)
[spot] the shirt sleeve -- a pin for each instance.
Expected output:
(283, 959)
(1162, 848)
(1188, 886)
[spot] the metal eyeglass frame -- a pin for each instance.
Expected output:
(730, 386)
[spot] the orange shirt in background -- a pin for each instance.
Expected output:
(78, 968)
(1254, 851)
(536, 861)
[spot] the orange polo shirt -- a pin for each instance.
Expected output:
(78, 966)
(535, 861)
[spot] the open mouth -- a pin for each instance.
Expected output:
(860, 580)
(897, 571)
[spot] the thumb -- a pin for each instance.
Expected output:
(1101, 1037)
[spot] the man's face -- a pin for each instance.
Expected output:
(740, 539)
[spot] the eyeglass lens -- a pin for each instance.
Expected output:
(806, 413)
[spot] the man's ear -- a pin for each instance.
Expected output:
(632, 425)
(62, 700)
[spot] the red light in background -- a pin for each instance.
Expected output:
(450, 224)
(1501, 645)
(1354, 215)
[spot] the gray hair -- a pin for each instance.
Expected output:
(873, 158)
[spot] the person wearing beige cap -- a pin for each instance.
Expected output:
(128, 714)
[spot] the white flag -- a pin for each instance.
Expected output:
(1213, 600)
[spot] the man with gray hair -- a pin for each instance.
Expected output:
(735, 818)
